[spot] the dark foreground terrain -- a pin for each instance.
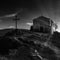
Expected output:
(28, 45)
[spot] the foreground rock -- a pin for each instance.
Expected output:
(28, 46)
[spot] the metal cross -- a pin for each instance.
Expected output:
(16, 23)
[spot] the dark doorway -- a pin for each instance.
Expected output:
(47, 30)
(41, 29)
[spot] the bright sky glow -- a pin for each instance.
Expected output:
(58, 29)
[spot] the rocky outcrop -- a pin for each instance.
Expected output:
(29, 46)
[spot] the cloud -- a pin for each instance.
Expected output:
(7, 27)
(29, 24)
(1, 28)
(0, 20)
(11, 15)
(11, 27)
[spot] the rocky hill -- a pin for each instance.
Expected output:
(28, 45)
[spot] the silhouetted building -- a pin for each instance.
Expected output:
(43, 24)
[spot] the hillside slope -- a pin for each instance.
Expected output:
(28, 45)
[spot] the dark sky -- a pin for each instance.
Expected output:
(30, 10)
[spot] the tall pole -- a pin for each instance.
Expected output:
(16, 19)
(16, 22)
